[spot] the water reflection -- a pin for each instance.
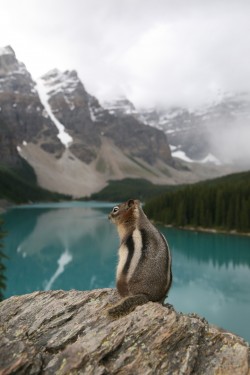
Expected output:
(64, 259)
(75, 247)
(60, 248)
(206, 247)
(212, 277)
(64, 228)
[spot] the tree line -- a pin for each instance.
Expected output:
(223, 203)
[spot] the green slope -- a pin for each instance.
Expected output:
(121, 190)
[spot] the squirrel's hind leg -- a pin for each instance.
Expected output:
(127, 304)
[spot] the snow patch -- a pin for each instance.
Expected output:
(120, 106)
(6, 51)
(64, 137)
(172, 147)
(92, 114)
(181, 155)
(60, 82)
(24, 143)
(70, 103)
(210, 159)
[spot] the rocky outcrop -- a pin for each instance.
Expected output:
(121, 106)
(59, 332)
(22, 117)
(139, 140)
(87, 122)
(215, 128)
(69, 103)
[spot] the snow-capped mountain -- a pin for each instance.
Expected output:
(220, 128)
(22, 116)
(215, 133)
(86, 122)
(120, 106)
(73, 143)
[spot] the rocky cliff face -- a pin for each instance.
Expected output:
(61, 332)
(22, 117)
(74, 144)
(214, 133)
(87, 122)
(207, 130)
(69, 103)
(184, 129)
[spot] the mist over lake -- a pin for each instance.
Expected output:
(74, 246)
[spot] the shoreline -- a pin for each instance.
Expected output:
(209, 230)
(6, 204)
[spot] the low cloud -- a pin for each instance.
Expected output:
(230, 142)
(155, 52)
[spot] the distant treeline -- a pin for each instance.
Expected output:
(223, 203)
(122, 190)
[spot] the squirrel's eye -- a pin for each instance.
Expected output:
(115, 209)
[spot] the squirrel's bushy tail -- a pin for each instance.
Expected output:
(127, 304)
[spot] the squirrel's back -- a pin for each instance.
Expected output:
(144, 267)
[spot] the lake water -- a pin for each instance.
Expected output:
(74, 246)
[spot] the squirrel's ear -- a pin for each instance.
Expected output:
(130, 202)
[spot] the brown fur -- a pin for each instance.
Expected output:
(122, 286)
(144, 268)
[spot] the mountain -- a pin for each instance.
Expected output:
(74, 144)
(121, 106)
(22, 117)
(88, 123)
(216, 132)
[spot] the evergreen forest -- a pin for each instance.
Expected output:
(222, 204)
(122, 190)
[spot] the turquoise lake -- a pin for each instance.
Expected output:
(73, 245)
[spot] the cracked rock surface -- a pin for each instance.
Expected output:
(59, 332)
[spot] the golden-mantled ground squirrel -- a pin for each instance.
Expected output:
(144, 268)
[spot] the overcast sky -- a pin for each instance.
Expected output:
(166, 52)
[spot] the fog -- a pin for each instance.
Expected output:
(154, 52)
(230, 142)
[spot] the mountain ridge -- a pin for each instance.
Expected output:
(205, 133)
(73, 143)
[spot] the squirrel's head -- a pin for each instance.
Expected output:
(125, 213)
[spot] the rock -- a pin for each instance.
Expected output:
(22, 117)
(59, 332)
(87, 121)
